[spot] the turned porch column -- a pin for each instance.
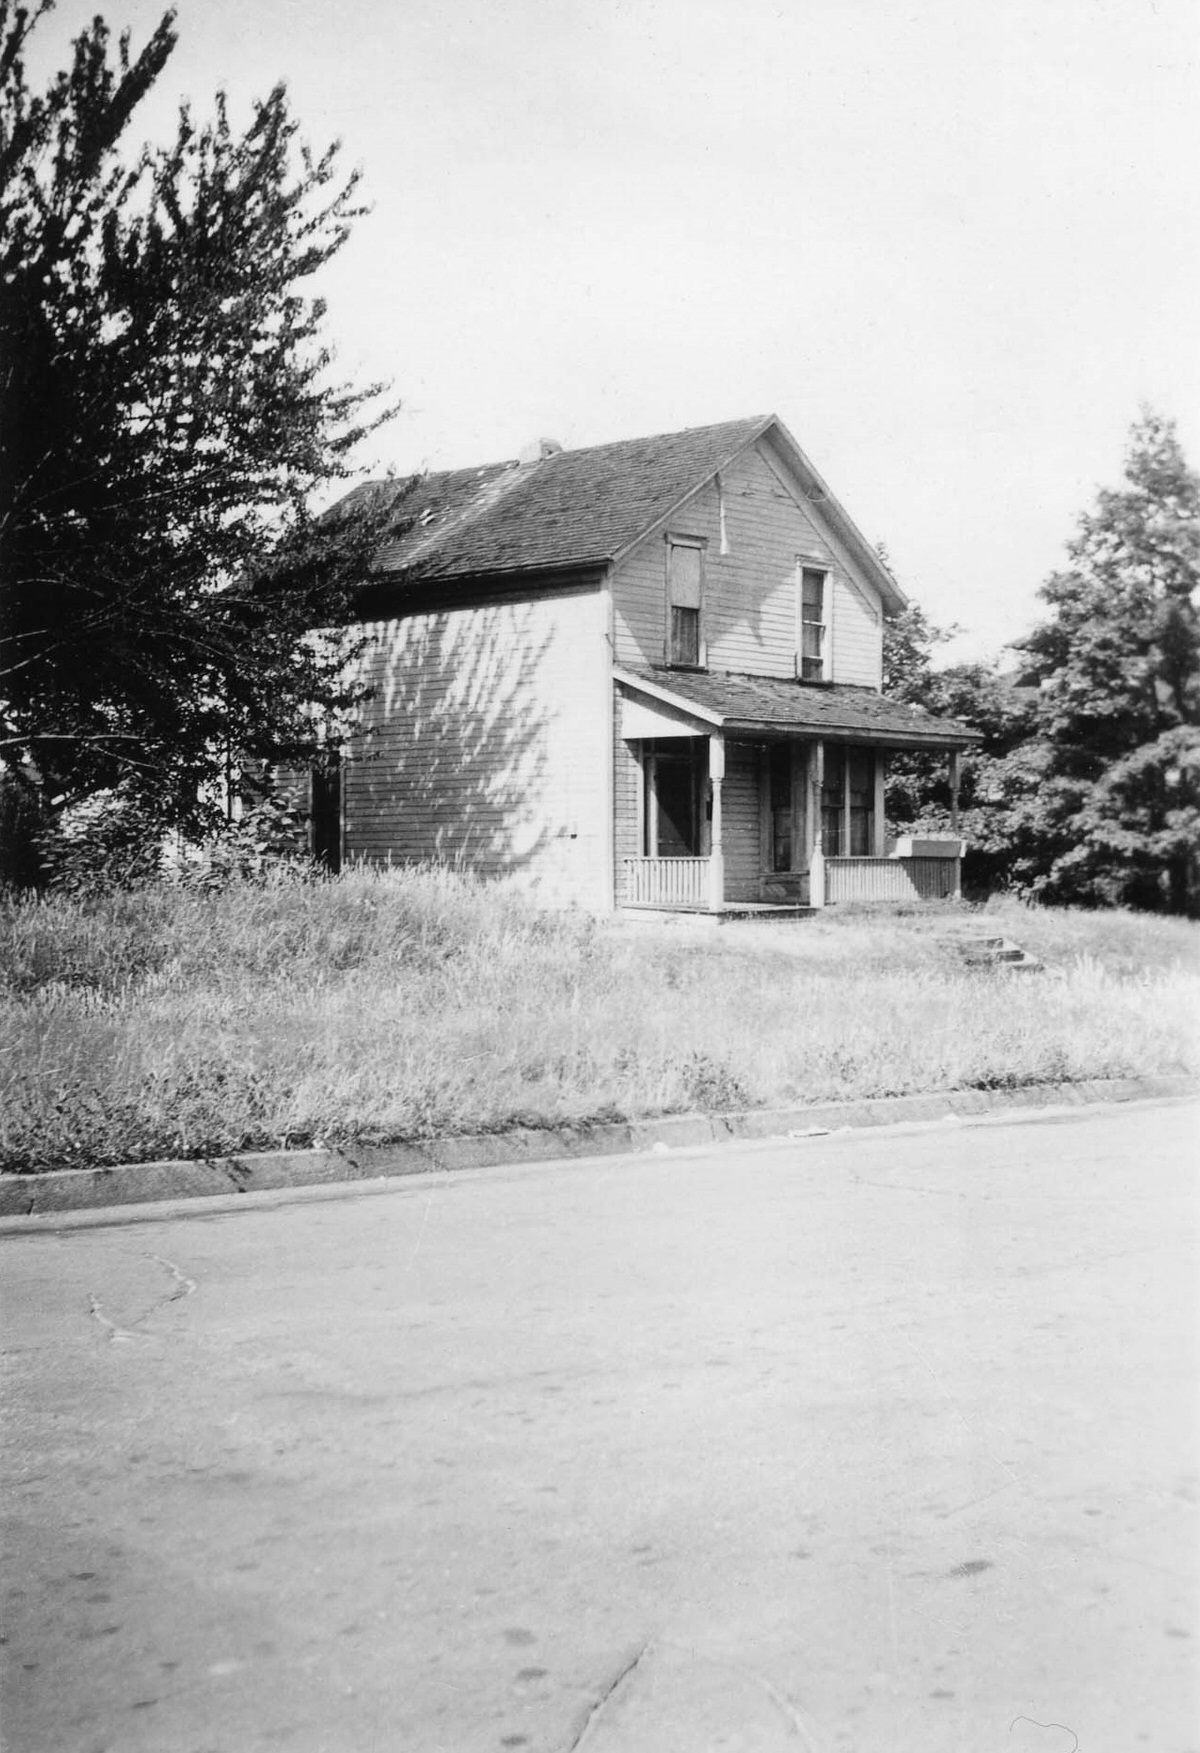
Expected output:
(716, 852)
(816, 863)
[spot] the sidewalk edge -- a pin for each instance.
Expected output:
(60, 1190)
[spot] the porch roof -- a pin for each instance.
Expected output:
(775, 706)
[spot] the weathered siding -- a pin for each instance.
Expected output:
(486, 745)
(749, 615)
(857, 634)
(627, 827)
(890, 879)
(740, 822)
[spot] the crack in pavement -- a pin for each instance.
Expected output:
(797, 1728)
(115, 1333)
(784, 1706)
(606, 1697)
(184, 1287)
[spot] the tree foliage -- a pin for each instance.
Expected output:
(1086, 785)
(978, 695)
(167, 418)
(1117, 668)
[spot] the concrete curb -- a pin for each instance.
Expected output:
(262, 1171)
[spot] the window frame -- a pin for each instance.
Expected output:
(822, 568)
(654, 758)
(699, 544)
(837, 806)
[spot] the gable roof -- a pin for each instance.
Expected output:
(577, 508)
(775, 706)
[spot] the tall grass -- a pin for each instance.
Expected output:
(399, 1005)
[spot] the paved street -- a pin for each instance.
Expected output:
(879, 1441)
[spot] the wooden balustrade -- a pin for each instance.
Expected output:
(667, 882)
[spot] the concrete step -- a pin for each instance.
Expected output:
(987, 950)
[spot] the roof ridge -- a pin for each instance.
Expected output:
(749, 421)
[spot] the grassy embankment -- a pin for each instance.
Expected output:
(406, 1004)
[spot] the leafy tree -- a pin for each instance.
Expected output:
(167, 418)
(909, 641)
(918, 786)
(1086, 785)
(1114, 809)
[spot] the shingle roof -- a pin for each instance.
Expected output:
(767, 704)
(572, 508)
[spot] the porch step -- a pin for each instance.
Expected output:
(981, 949)
(766, 910)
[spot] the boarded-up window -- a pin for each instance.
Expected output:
(685, 582)
(812, 625)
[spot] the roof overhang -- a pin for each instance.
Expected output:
(677, 707)
(664, 710)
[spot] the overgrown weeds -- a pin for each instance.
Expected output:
(397, 1005)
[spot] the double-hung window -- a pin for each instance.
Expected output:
(848, 802)
(814, 591)
(685, 591)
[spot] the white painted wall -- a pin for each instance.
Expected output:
(487, 745)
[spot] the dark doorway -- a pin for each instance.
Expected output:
(673, 798)
(325, 815)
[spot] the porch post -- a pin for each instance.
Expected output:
(716, 857)
(954, 779)
(879, 837)
(651, 801)
(816, 864)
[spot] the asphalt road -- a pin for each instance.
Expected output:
(881, 1441)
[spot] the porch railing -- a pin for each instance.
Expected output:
(667, 882)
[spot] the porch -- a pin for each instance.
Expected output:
(695, 885)
(766, 819)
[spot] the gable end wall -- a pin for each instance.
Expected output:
(749, 619)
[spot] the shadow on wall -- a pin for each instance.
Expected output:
(454, 764)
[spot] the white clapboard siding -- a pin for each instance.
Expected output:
(857, 635)
(627, 824)
(749, 612)
(486, 745)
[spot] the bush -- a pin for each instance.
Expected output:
(108, 842)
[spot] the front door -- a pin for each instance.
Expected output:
(784, 877)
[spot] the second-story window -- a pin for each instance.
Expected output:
(813, 654)
(685, 582)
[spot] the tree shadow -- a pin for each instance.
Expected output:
(453, 762)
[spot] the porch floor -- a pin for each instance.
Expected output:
(767, 910)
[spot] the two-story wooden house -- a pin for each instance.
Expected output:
(642, 674)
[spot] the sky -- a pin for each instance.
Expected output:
(953, 244)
